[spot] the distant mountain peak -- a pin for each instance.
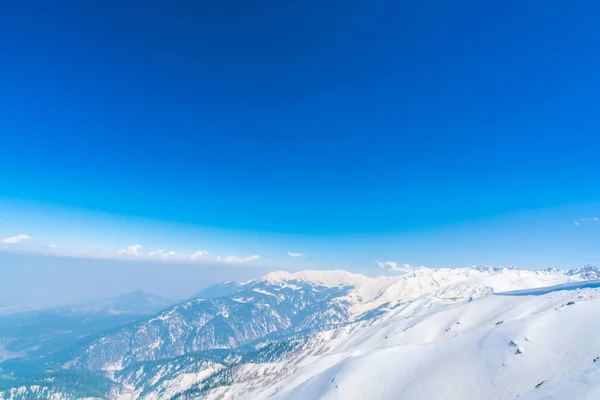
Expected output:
(277, 276)
(222, 289)
(490, 269)
(587, 272)
(136, 293)
(327, 278)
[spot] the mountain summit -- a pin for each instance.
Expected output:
(587, 272)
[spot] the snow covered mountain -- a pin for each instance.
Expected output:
(266, 307)
(494, 347)
(476, 333)
(588, 272)
(220, 290)
(533, 344)
(282, 304)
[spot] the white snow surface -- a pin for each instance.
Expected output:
(451, 336)
(370, 293)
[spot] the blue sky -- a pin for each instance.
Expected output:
(348, 131)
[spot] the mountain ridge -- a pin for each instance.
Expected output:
(285, 303)
(210, 346)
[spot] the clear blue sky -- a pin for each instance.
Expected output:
(345, 130)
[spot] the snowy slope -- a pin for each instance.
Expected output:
(474, 360)
(493, 347)
(584, 384)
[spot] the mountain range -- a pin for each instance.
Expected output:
(423, 333)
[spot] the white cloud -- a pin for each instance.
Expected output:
(200, 254)
(394, 266)
(131, 251)
(391, 265)
(134, 251)
(578, 222)
(295, 254)
(15, 239)
(162, 253)
(236, 259)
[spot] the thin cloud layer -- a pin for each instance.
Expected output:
(580, 221)
(235, 259)
(16, 239)
(200, 255)
(131, 252)
(291, 254)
